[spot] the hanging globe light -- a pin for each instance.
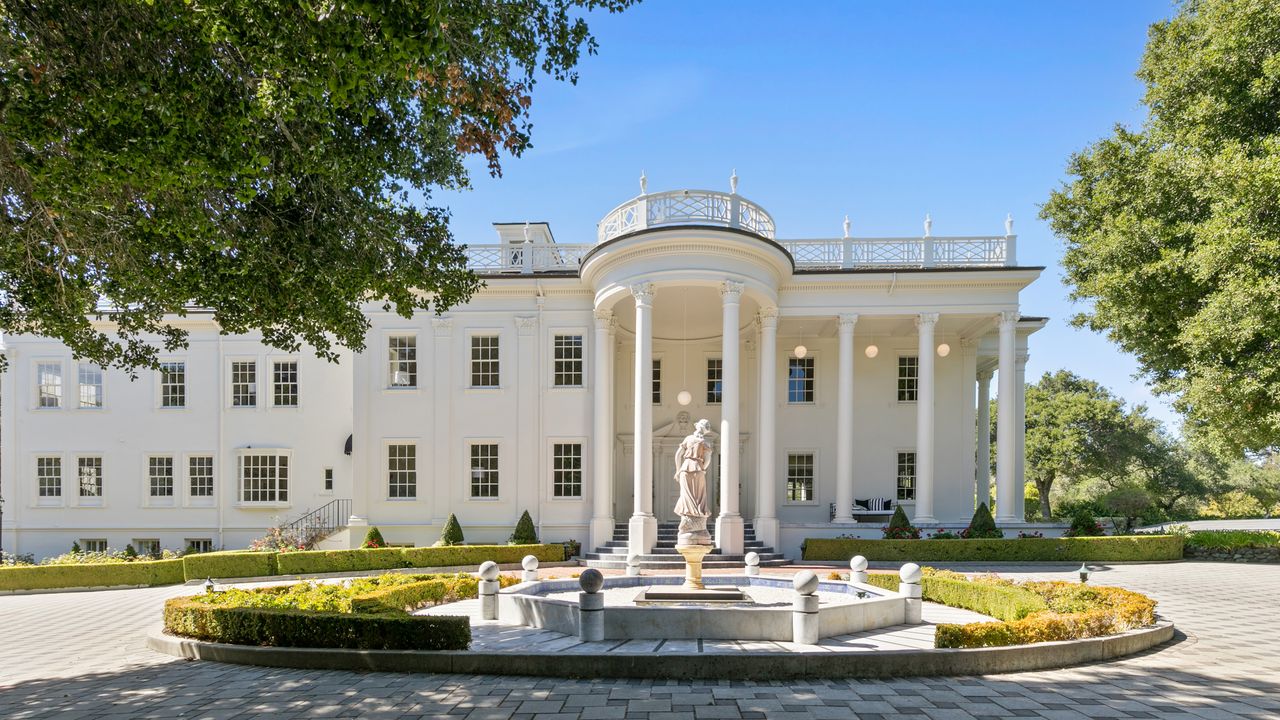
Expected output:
(872, 351)
(944, 350)
(684, 398)
(800, 351)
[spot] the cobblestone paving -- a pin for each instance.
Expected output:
(81, 655)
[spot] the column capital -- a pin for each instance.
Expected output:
(731, 290)
(643, 293)
(604, 318)
(443, 326)
(924, 319)
(768, 316)
(526, 324)
(1022, 358)
(846, 321)
(986, 375)
(1009, 317)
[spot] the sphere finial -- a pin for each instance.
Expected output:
(928, 224)
(846, 227)
(644, 183)
(733, 182)
(1008, 224)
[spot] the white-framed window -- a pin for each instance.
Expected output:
(147, 546)
(906, 475)
(49, 385)
(800, 380)
(800, 472)
(657, 381)
(89, 479)
(568, 360)
(485, 361)
(715, 380)
(484, 470)
(284, 383)
(566, 470)
(198, 545)
(49, 479)
(93, 545)
(90, 380)
(908, 378)
(160, 479)
(263, 476)
(402, 471)
(173, 384)
(200, 477)
(402, 361)
(328, 479)
(244, 383)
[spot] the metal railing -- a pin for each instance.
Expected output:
(324, 521)
(685, 207)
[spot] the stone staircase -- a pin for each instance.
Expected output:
(664, 556)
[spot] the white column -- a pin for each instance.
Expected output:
(729, 530)
(766, 524)
(982, 473)
(1006, 431)
(924, 420)
(602, 434)
(1020, 439)
(527, 391)
(643, 528)
(844, 422)
(444, 440)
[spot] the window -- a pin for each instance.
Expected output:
(244, 384)
(264, 478)
(284, 383)
(715, 377)
(800, 477)
(328, 479)
(49, 477)
(402, 471)
(484, 361)
(198, 545)
(566, 480)
(90, 386)
(147, 547)
(800, 380)
(93, 545)
(568, 361)
(906, 476)
(402, 356)
(908, 378)
(49, 385)
(657, 382)
(89, 471)
(173, 384)
(200, 476)
(484, 470)
(160, 476)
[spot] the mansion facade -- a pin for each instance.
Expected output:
(842, 376)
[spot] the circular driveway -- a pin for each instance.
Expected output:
(81, 655)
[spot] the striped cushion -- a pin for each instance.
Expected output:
(877, 503)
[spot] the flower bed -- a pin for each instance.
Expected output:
(1233, 545)
(1136, 548)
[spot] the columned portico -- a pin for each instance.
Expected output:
(766, 525)
(729, 525)
(844, 422)
(1007, 495)
(643, 527)
(602, 425)
(982, 473)
(925, 323)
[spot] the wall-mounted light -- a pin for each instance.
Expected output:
(944, 350)
(684, 398)
(872, 351)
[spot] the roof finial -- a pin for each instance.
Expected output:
(526, 231)
(1008, 224)
(733, 182)
(846, 227)
(928, 224)
(644, 183)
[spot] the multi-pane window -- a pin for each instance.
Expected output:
(93, 545)
(484, 470)
(244, 384)
(173, 384)
(715, 380)
(90, 386)
(402, 357)
(402, 471)
(199, 545)
(49, 477)
(149, 547)
(800, 477)
(800, 380)
(657, 382)
(284, 383)
(568, 361)
(484, 361)
(906, 476)
(89, 471)
(328, 478)
(49, 385)
(200, 476)
(160, 476)
(908, 378)
(264, 478)
(566, 480)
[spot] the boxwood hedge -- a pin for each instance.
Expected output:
(1139, 548)
(129, 574)
(1005, 602)
(323, 561)
(229, 565)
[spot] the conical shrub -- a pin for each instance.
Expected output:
(373, 539)
(525, 533)
(900, 528)
(982, 525)
(452, 533)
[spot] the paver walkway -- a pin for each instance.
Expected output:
(75, 655)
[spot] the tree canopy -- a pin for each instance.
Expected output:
(269, 161)
(1173, 230)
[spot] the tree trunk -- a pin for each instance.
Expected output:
(1043, 487)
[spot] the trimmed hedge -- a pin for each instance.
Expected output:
(1075, 612)
(1005, 602)
(323, 561)
(234, 564)
(475, 554)
(50, 577)
(1142, 548)
(300, 628)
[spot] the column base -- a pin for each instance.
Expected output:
(844, 521)
(1009, 520)
(729, 534)
(601, 533)
(767, 531)
(924, 520)
(642, 534)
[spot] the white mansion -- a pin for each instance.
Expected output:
(843, 376)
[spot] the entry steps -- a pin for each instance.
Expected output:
(664, 556)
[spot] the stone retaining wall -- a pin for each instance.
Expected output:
(1256, 555)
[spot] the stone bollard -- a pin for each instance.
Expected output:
(591, 606)
(858, 569)
(530, 565)
(633, 565)
(752, 561)
(804, 611)
(909, 587)
(489, 590)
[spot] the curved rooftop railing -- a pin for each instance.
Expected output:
(685, 207)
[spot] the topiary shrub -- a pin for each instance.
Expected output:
(524, 534)
(900, 528)
(1084, 524)
(452, 533)
(373, 539)
(75, 547)
(982, 526)
(130, 551)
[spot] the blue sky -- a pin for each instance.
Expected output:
(883, 111)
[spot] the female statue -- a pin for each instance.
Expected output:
(692, 458)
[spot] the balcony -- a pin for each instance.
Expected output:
(852, 253)
(685, 207)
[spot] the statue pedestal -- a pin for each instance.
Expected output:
(693, 555)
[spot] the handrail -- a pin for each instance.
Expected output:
(323, 521)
